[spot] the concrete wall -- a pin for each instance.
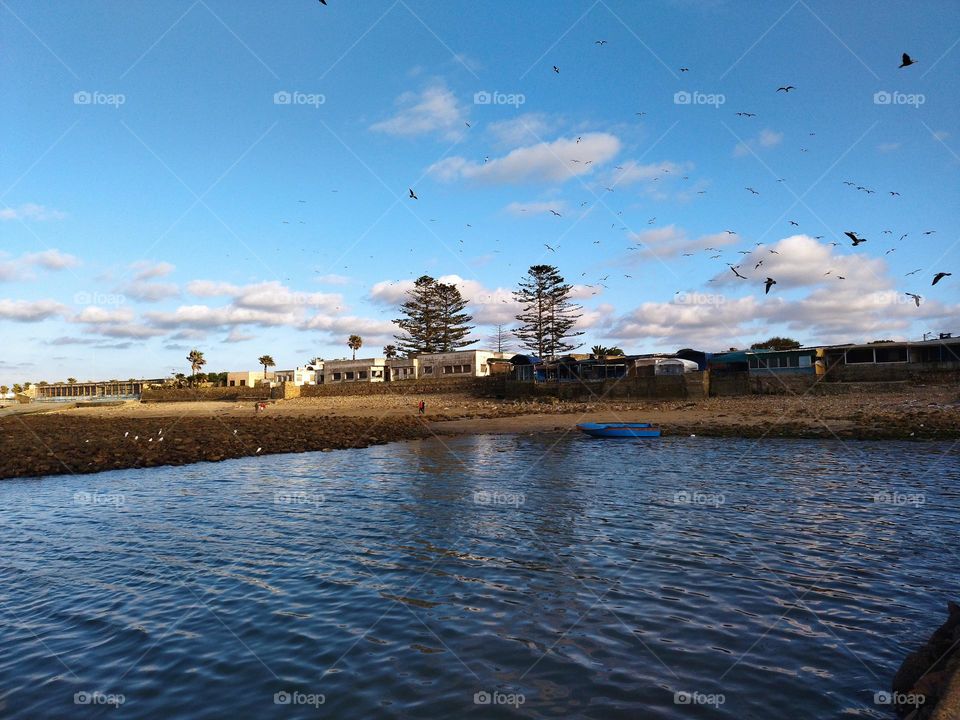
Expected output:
(168, 394)
(480, 387)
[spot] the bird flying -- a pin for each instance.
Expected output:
(786, 88)
(916, 298)
(770, 282)
(853, 236)
(940, 276)
(906, 60)
(413, 195)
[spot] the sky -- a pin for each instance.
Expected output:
(234, 176)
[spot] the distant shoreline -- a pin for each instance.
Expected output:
(92, 439)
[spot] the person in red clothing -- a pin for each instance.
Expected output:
(421, 407)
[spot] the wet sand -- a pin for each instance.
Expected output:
(90, 439)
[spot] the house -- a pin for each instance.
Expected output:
(893, 360)
(469, 363)
(528, 368)
(795, 361)
(402, 368)
(301, 375)
(114, 389)
(359, 370)
(247, 378)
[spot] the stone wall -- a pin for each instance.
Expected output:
(676, 387)
(478, 387)
(729, 383)
(934, 373)
(230, 394)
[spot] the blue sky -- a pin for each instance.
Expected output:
(155, 156)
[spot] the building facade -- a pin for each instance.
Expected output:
(359, 370)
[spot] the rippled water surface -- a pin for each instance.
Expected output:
(524, 576)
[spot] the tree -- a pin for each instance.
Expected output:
(4, 390)
(71, 380)
(389, 351)
(776, 343)
(354, 342)
(434, 318)
(548, 316)
(196, 360)
(17, 388)
(615, 351)
(598, 352)
(266, 361)
(501, 339)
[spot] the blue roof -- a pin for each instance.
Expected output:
(525, 360)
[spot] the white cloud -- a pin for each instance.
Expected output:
(333, 279)
(555, 161)
(435, 110)
(30, 311)
(95, 314)
(30, 211)
(235, 336)
(150, 292)
(149, 270)
(766, 139)
(211, 288)
(671, 241)
(631, 172)
(523, 130)
(51, 260)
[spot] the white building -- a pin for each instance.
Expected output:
(302, 375)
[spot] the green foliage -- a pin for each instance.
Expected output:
(433, 318)
(776, 343)
(548, 316)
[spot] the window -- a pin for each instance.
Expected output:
(447, 369)
(337, 376)
(348, 375)
(804, 361)
(233, 383)
(377, 373)
(243, 383)
(362, 375)
(859, 355)
(428, 370)
(891, 354)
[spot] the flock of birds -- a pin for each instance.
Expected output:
(855, 238)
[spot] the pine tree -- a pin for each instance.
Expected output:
(501, 339)
(548, 316)
(434, 318)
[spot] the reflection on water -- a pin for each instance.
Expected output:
(531, 576)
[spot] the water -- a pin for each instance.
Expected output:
(554, 577)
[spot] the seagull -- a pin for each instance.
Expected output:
(599, 42)
(786, 88)
(730, 232)
(940, 276)
(556, 69)
(887, 232)
(466, 123)
(794, 222)
(894, 194)
(413, 195)
(684, 69)
(906, 60)
(916, 298)
(929, 232)
(903, 236)
(840, 277)
(853, 236)
(549, 248)
(913, 272)
(752, 190)
(323, 2)
(556, 213)
(757, 266)
(734, 269)
(746, 114)
(768, 284)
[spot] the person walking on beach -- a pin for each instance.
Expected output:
(421, 407)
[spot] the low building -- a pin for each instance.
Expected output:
(359, 370)
(675, 366)
(302, 375)
(892, 360)
(404, 368)
(93, 390)
(247, 378)
(796, 361)
(458, 363)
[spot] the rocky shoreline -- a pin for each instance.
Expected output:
(927, 685)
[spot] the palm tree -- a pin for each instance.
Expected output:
(389, 351)
(17, 388)
(599, 351)
(615, 351)
(197, 361)
(354, 342)
(4, 390)
(266, 361)
(71, 380)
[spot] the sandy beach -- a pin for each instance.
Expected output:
(95, 438)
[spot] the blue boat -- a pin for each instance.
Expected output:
(620, 430)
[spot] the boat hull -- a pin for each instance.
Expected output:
(619, 430)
